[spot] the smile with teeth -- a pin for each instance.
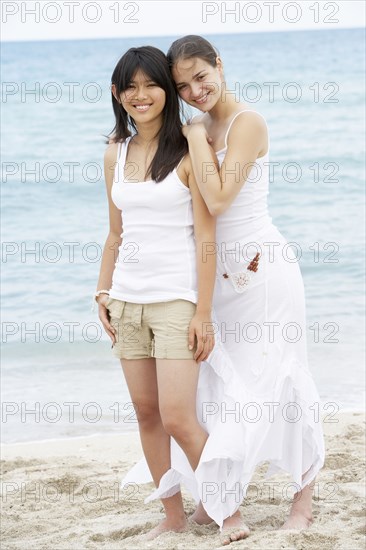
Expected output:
(142, 108)
(202, 99)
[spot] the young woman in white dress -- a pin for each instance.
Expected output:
(259, 304)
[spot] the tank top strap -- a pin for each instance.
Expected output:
(121, 159)
(180, 162)
(119, 148)
(122, 151)
(235, 116)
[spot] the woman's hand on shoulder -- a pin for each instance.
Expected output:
(197, 128)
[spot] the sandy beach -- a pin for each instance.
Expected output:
(64, 494)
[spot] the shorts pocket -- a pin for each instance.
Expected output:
(115, 308)
(109, 300)
(179, 314)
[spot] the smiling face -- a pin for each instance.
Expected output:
(199, 84)
(142, 99)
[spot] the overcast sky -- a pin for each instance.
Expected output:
(70, 19)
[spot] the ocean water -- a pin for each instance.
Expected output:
(59, 378)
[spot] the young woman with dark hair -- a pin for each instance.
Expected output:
(155, 299)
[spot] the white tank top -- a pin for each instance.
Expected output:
(247, 217)
(157, 256)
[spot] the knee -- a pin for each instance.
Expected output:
(147, 414)
(178, 424)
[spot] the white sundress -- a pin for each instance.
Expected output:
(256, 397)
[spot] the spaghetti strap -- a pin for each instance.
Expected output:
(119, 150)
(234, 117)
(121, 158)
(179, 163)
(122, 152)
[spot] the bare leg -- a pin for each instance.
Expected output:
(301, 513)
(142, 384)
(177, 382)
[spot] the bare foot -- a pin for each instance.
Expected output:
(178, 526)
(301, 515)
(298, 521)
(200, 516)
(234, 529)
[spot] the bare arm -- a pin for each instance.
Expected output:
(219, 186)
(113, 240)
(204, 229)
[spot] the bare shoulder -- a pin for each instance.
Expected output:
(248, 132)
(110, 160)
(110, 154)
(250, 119)
(250, 126)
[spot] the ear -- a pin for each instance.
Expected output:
(219, 64)
(114, 92)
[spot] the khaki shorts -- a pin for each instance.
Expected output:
(157, 330)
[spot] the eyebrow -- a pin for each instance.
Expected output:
(194, 76)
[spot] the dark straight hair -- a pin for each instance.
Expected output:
(172, 145)
(191, 46)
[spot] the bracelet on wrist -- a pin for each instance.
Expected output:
(96, 296)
